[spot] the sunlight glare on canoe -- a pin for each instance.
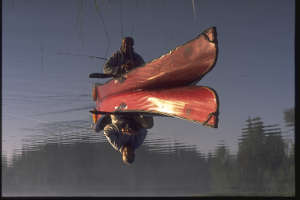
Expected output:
(171, 107)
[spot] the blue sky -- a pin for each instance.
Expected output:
(253, 76)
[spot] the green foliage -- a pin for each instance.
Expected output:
(289, 117)
(262, 160)
(222, 169)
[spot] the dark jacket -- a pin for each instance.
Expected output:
(113, 65)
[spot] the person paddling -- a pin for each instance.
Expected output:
(124, 60)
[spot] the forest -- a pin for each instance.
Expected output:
(264, 165)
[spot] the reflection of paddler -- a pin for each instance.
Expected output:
(126, 133)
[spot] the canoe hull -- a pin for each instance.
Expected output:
(194, 103)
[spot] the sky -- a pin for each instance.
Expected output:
(254, 74)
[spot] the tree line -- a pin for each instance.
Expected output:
(263, 165)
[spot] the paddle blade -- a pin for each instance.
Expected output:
(99, 75)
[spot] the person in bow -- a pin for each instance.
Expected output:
(124, 60)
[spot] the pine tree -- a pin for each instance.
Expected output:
(251, 156)
(262, 159)
(289, 118)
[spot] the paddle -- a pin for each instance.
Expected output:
(99, 75)
(72, 54)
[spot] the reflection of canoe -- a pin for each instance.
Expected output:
(182, 66)
(195, 103)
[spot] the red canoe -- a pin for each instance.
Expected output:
(194, 103)
(182, 66)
